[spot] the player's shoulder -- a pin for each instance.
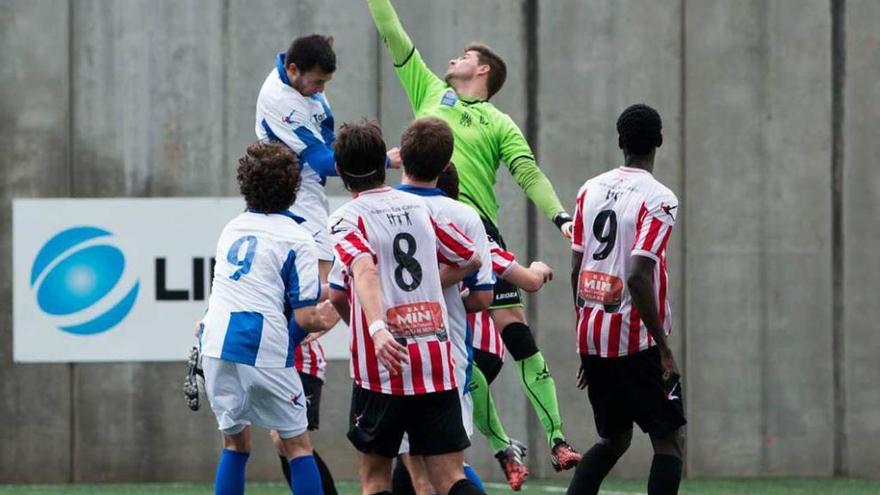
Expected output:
(655, 192)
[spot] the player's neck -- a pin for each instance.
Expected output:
(417, 183)
(642, 162)
(471, 90)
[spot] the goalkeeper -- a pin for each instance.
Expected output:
(485, 137)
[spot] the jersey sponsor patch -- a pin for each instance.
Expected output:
(415, 319)
(602, 288)
(449, 98)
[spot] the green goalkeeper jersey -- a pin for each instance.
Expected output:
(484, 135)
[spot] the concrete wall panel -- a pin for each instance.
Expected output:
(758, 237)
(593, 65)
(34, 138)
(861, 237)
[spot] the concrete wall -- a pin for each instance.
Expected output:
(143, 98)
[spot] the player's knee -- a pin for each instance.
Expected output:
(237, 438)
(619, 443)
(296, 446)
(671, 445)
(519, 341)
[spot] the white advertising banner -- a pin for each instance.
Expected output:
(118, 279)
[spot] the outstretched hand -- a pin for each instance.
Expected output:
(394, 160)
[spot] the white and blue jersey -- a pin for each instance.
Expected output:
(266, 267)
(305, 124)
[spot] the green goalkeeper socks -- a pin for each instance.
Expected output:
(540, 388)
(485, 415)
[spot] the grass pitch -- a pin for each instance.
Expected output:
(783, 486)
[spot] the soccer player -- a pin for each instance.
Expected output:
(425, 150)
(390, 245)
(487, 344)
(484, 137)
(622, 224)
(263, 302)
(293, 109)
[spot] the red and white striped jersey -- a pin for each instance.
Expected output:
(620, 213)
(487, 338)
(309, 358)
(406, 243)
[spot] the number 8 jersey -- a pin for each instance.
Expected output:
(406, 243)
(620, 213)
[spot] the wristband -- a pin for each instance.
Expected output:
(561, 219)
(377, 326)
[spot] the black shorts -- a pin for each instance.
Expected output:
(432, 421)
(312, 388)
(631, 389)
(506, 294)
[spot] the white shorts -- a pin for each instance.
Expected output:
(467, 417)
(316, 223)
(241, 394)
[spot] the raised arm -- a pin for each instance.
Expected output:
(417, 80)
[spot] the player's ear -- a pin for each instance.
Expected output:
(660, 140)
(483, 69)
(620, 142)
(292, 68)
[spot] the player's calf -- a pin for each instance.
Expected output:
(447, 475)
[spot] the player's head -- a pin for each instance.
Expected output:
(268, 177)
(448, 181)
(425, 148)
(639, 130)
(360, 155)
(310, 62)
(478, 61)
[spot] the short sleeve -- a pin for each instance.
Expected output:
(338, 277)
(453, 246)
(654, 226)
(577, 238)
(302, 284)
(502, 260)
(484, 278)
(349, 238)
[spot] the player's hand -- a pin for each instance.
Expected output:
(328, 317)
(198, 329)
(389, 352)
(567, 230)
(394, 160)
(581, 378)
(667, 362)
(543, 269)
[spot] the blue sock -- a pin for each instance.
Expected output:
(230, 473)
(474, 477)
(304, 476)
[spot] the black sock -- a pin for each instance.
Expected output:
(401, 483)
(593, 468)
(326, 478)
(665, 475)
(465, 486)
(285, 468)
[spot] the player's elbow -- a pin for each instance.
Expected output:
(339, 300)
(637, 282)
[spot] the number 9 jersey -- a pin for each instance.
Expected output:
(406, 243)
(619, 214)
(267, 266)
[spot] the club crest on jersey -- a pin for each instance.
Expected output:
(449, 98)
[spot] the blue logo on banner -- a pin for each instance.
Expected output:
(78, 278)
